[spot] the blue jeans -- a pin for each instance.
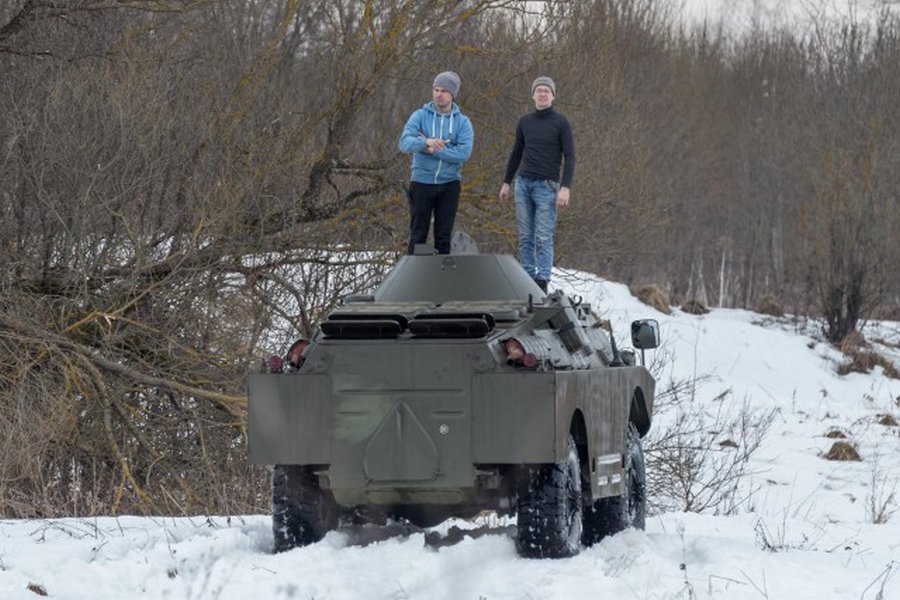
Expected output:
(536, 222)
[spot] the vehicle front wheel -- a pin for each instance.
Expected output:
(549, 511)
(607, 516)
(302, 512)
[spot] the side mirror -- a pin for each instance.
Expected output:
(645, 333)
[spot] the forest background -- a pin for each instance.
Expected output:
(186, 185)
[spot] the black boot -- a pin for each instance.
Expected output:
(542, 283)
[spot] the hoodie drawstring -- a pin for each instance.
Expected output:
(437, 131)
(441, 135)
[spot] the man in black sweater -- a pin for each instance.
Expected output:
(543, 142)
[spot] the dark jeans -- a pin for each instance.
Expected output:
(426, 199)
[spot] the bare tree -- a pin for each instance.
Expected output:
(187, 185)
(849, 217)
(186, 190)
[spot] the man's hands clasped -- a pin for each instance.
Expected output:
(433, 145)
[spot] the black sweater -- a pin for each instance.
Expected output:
(543, 138)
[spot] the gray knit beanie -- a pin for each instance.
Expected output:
(543, 80)
(449, 81)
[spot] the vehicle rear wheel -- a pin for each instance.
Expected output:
(549, 512)
(607, 516)
(302, 513)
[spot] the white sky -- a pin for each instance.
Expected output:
(741, 14)
(816, 509)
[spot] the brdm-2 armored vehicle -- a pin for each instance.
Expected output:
(457, 387)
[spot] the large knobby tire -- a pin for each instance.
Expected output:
(614, 514)
(549, 512)
(302, 513)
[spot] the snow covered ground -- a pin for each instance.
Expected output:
(803, 530)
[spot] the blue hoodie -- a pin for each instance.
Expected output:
(446, 165)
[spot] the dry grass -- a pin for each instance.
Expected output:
(694, 307)
(652, 296)
(768, 305)
(888, 420)
(862, 360)
(842, 451)
(836, 434)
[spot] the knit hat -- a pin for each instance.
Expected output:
(449, 81)
(543, 80)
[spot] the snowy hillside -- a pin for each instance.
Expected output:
(801, 527)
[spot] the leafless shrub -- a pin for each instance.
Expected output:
(779, 534)
(836, 434)
(881, 503)
(687, 589)
(775, 537)
(699, 462)
(854, 340)
(880, 581)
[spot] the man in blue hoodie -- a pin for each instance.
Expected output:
(440, 138)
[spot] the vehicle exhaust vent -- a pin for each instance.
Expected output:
(363, 326)
(452, 325)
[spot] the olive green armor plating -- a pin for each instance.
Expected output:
(447, 388)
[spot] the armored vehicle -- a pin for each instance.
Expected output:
(457, 387)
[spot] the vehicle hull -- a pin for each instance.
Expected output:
(425, 430)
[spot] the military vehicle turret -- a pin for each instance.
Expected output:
(457, 387)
